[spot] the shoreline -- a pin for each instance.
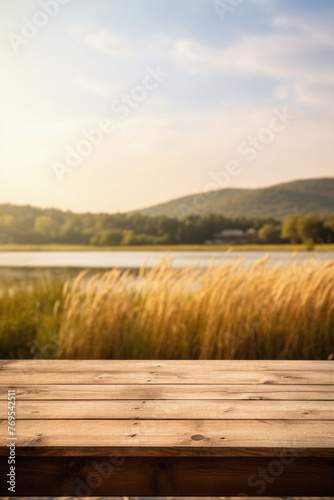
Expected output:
(166, 248)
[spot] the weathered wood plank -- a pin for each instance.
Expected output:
(171, 391)
(172, 437)
(182, 376)
(181, 476)
(183, 427)
(165, 365)
(173, 409)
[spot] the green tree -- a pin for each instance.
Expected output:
(47, 227)
(290, 228)
(310, 228)
(6, 228)
(270, 233)
(112, 237)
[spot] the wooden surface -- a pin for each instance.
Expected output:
(178, 427)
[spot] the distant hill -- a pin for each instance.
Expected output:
(301, 196)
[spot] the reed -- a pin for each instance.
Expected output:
(226, 311)
(29, 318)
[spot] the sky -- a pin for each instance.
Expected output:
(116, 105)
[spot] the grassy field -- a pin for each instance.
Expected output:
(225, 312)
(161, 248)
(29, 323)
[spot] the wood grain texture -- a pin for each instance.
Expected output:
(173, 410)
(179, 476)
(201, 428)
(182, 375)
(170, 391)
(130, 365)
(196, 437)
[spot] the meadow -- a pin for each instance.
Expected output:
(228, 311)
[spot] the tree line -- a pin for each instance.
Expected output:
(31, 225)
(308, 229)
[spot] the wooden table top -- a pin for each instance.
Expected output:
(169, 408)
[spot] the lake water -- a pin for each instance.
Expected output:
(135, 259)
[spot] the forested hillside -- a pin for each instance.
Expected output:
(31, 225)
(301, 197)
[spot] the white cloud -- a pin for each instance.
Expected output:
(264, 3)
(315, 94)
(107, 43)
(319, 35)
(283, 93)
(276, 55)
(297, 52)
(95, 87)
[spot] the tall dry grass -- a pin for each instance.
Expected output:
(29, 322)
(228, 311)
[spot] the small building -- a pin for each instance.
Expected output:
(236, 237)
(252, 235)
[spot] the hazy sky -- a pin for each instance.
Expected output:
(113, 105)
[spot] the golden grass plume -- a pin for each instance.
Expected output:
(225, 311)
